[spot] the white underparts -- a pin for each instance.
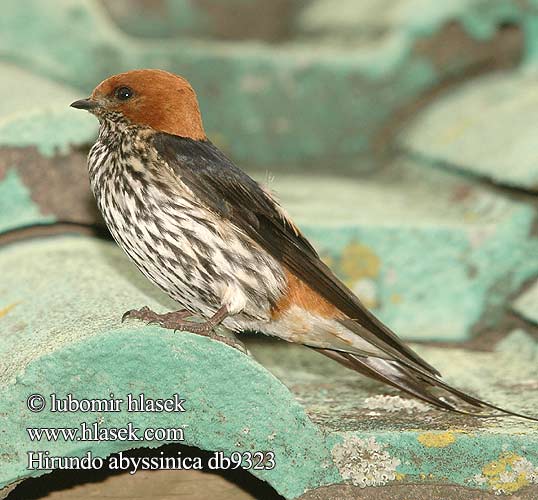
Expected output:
(233, 297)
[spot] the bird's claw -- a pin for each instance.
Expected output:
(137, 313)
(126, 314)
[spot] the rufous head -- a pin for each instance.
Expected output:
(148, 97)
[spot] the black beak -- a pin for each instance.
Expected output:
(87, 104)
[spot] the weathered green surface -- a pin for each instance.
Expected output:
(468, 129)
(62, 334)
(272, 22)
(159, 19)
(295, 102)
(393, 238)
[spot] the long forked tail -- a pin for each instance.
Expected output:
(424, 386)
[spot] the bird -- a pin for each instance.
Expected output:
(220, 244)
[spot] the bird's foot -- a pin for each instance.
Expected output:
(176, 321)
(166, 320)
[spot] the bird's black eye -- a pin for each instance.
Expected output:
(123, 93)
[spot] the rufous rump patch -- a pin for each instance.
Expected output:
(162, 101)
(299, 294)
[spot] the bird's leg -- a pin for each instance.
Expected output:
(176, 321)
(206, 328)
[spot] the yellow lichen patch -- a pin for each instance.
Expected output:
(399, 476)
(8, 308)
(437, 439)
(503, 475)
(396, 298)
(359, 261)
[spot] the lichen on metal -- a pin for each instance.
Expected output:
(435, 253)
(341, 416)
(437, 439)
(395, 404)
(365, 462)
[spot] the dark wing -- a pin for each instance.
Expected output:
(231, 193)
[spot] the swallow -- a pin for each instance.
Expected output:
(223, 248)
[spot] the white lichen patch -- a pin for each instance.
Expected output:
(365, 462)
(394, 404)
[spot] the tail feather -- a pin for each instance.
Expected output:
(418, 383)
